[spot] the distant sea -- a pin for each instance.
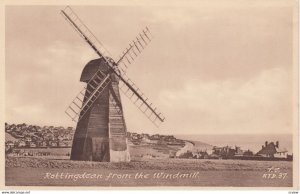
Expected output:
(251, 142)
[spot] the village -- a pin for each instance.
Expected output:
(33, 136)
(269, 151)
(137, 139)
(25, 140)
(21, 137)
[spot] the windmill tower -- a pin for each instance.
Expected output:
(101, 130)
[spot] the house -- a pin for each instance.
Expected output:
(49, 136)
(39, 129)
(10, 144)
(153, 141)
(19, 135)
(170, 138)
(224, 152)
(187, 154)
(60, 138)
(11, 128)
(155, 137)
(28, 138)
(32, 145)
(68, 143)
(43, 144)
(272, 150)
(56, 133)
(200, 155)
(248, 153)
(21, 144)
(14, 134)
(34, 138)
(238, 151)
(53, 144)
(38, 143)
(209, 151)
(281, 153)
(61, 144)
(31, 128)
(24, 126)
(146, 139)
(8, 128)
(145, 135)
(68, 137)
(25, 132)
(135, 136)
(18, 128)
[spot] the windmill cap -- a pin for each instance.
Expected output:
(93, 66)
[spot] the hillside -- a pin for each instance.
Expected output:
(8, 137)
(199, 145)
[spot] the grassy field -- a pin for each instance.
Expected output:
(52, 151)
(144, 172)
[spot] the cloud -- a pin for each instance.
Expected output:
(40, 95)
(208, 69)
(262, 104)
(176, 18)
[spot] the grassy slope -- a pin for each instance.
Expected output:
(201, 146)
(150, 164)
(8, 137)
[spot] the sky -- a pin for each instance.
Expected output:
(211, 68)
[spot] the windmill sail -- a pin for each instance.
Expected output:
(84, 32)
(79, 106)
(138, 98)
(135, 48)
(128, 87)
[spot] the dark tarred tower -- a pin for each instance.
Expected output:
(101, 133)
(101, 130)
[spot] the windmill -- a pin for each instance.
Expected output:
(101, 130)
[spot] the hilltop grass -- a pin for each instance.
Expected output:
(157, 164)
(238, 173)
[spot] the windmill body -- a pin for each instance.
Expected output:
(101, 133)
(101, 130)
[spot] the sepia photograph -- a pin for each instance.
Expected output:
(196, 94)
